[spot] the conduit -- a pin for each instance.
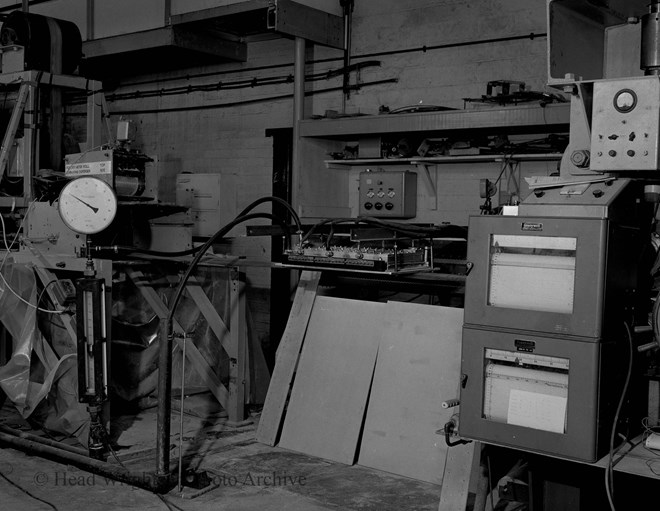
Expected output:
(417, 49)
(145, 480)
(42, 440)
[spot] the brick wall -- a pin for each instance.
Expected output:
(224, 131)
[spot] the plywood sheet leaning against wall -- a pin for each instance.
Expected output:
(418, 368)
(331, 387)
(286, 361)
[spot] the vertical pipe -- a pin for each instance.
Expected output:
(298, 115)
(168, 13)
(348, 9)
(182, 398)
(26, 5)
(166, 339)
(90, 20)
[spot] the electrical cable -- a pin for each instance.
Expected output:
(400, 227)
(290, 209)
(4, 235)
(232, 104)
(77, 97)
(43, 291)
(4, 260)
(190, 251)
(19, 487)
(83, 153)
(418, 49)
(609, 470)
(655, 318)
(330, 236)
(170, 505)
(107, 443)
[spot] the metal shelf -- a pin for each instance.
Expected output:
(209, 36)
(524, 119)
(425, 163)
(440, 160)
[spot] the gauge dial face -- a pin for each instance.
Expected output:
(87, 205)
(625, 100)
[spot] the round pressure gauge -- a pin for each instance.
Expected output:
(87, 205)
(625, 100)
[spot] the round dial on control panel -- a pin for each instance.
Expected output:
(87, 205)
(625, 100)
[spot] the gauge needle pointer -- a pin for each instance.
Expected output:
(86, 204)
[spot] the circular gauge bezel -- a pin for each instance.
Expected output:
(87, 205)
(626, 109)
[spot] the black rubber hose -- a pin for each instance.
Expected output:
(190, 251)
(166, 340)
(292, 212)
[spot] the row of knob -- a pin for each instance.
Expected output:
(378, 205)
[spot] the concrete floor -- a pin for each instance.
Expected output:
(245, 475)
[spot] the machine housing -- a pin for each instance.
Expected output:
(543, 359)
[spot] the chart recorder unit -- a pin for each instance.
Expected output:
(543, 339)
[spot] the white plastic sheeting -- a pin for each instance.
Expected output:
(42, 386)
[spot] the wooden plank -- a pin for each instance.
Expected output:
(211, 315)
(201, 365)
(257, 374)
(654, 403)
(237, 364)
(461, 461)
(418, 367)
(287, 358)
(331, 388)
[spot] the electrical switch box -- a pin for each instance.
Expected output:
(391, 194)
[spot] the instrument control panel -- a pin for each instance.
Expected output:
(391, 194)
(626, 125)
